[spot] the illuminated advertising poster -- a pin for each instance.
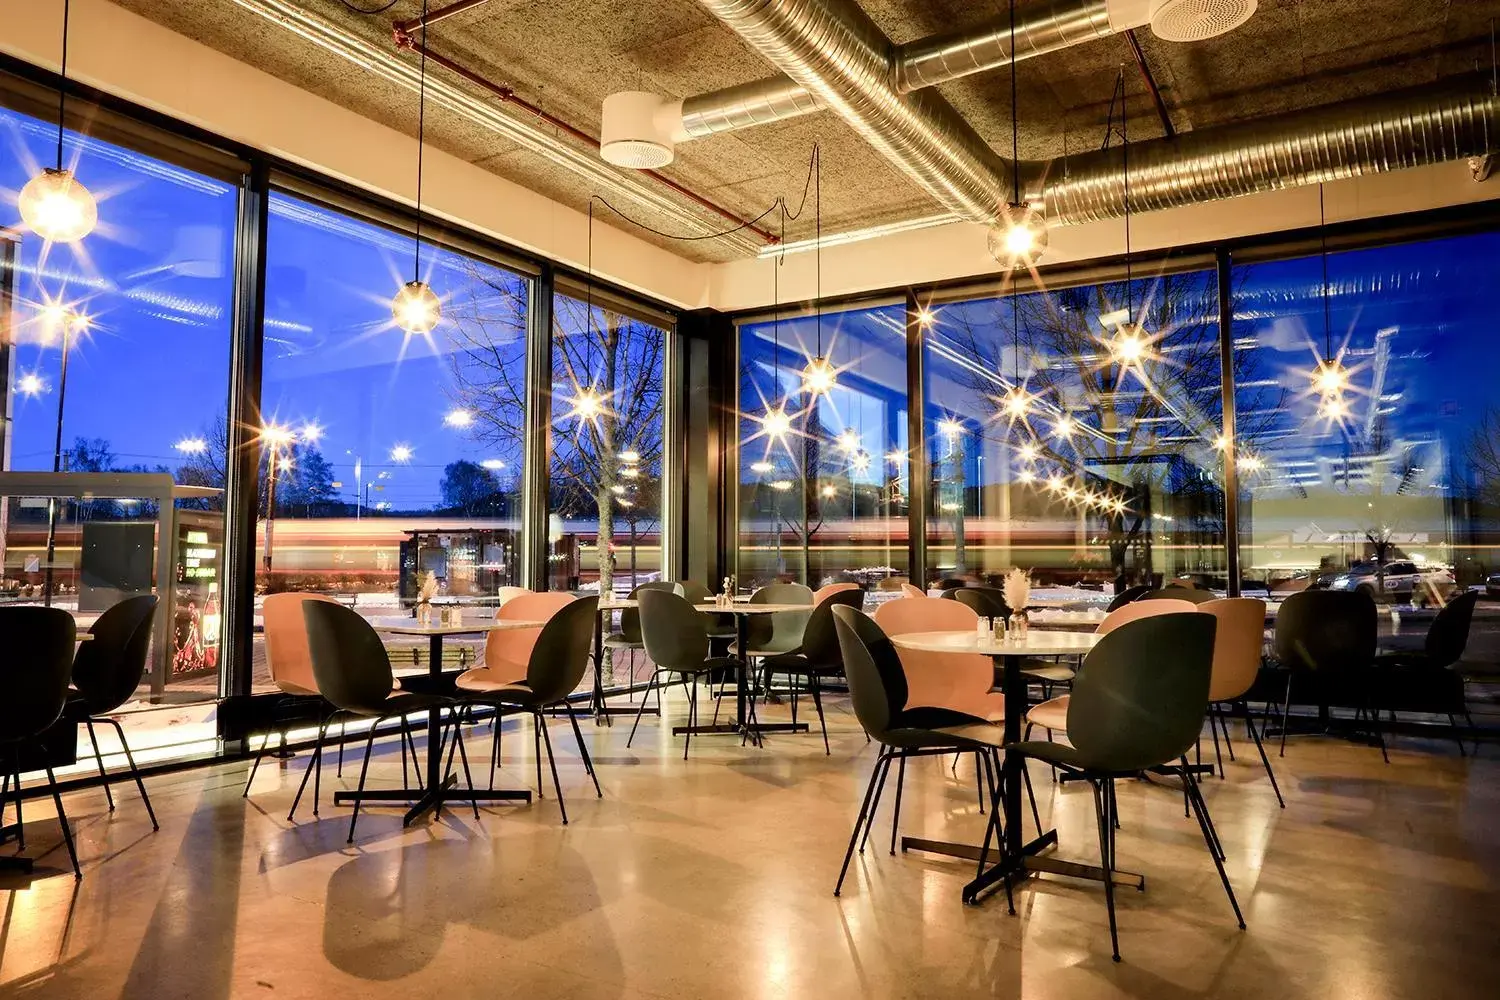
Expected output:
(197, 616)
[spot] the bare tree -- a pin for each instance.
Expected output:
(1483, 453)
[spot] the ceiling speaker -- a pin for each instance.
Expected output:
(1195, 20)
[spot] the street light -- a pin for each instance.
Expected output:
(63, 320)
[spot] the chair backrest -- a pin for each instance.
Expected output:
(822, 594)
(507, 652)
(108, 668)
(674, 632)
(1449, 633)
(912, 590)
(1127, 595)
(987, 602)
(1190, 594)
(508, 594)
(779, 633)
(1237, 645)
(1326, 630)
(561, 653)
(630, 618)
(820, 642)
(1140, 698)
(38, 645)
(349, 661)
(695, 592)
(1136, 610)
(877, 684)
(287, 655)
(960, 681)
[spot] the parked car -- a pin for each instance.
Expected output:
(1393, 582)
(1492, 585)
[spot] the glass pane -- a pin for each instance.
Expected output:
(391, 462)
(1386, 483)
(608, 433)
(823, 493)
(116, 364)
(1073, 433)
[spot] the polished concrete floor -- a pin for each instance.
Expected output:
(713, 878)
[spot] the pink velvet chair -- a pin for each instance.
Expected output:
(943, 680)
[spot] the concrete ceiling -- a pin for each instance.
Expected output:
(567, 55)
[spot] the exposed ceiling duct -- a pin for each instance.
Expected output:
(833, 50)
(1413, 128)
(1041, 27)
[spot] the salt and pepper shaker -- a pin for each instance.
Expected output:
(983, 629)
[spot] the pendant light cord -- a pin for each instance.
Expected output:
(1327, 307)
(1125, 170)
(421, 144)
(818, 237)
(1015, 126)
(62, 90)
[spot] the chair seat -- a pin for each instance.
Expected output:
(798, 663)
(758, 654)
(934, 717)
(1051, 714)
(618, 640)
(517, 693)
(709, 665)
(486, 681)
(402, 703)
(1053, 672)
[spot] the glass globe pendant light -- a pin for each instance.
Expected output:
(55, 204)
(416, 309)
(819, 377)
(1330, 378)
(1019, 242)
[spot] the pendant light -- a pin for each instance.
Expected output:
(587, 404)
(416, 308)
(1129, 346)
(819, 377)
(1330, 378)
(775, 423)
(54, 204)
(1021, 241)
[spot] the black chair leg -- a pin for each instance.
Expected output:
(1224, 727)
(1250, 726)
(343, 731)
(1286, 711)
(552, 762)
(62, 819)
(896, 812)
(817, 698)
(1101, 809)
(583, 750)
(979, 779)
(1036, 816)
(311, 765)
(255, 766)
(497, 724)
(364, 769)
(861, 821)
(99, 760)
(1209, 838)
(1213, 730)
(536, 752)
(463, 757)
(692, 691)
(20, 816)
(135, 772)
(883, 766)
(655, 683)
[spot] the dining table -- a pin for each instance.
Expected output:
(436, 790)
(743, 611)
(1017, 858)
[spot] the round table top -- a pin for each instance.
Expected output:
(746, 608)
(394, 625)
(1035, 643)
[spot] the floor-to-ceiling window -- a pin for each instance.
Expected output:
(1381, 472)
(116, 357)
(1075, 433)
(824, 470)
(608, 445)
(390, 461)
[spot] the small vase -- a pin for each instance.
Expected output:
(1018, 626)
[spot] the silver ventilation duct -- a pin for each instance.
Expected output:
(1412, 128)
(1041, 27)
(833, 50)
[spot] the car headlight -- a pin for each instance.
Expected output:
(1341, 581)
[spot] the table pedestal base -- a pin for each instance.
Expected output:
(424, 800)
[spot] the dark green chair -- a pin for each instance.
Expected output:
(878, 692)
(1138, 703)
(1428, 679)
(38, 645)
(354, 675)
(676, 638)
(1128, 595)
(987, 602)
(1191, 594)
(106, 671)
(628, 639)
(556, 667)
(1325, 640)
(818, 658)
(768, 635)
(720, 626)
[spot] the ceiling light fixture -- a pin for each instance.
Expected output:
(54, 204)
(819, 377)
(401, 453)
(493, 464)
(1130, 345)
(861, 461)
(776, 423)
(635, 130)
(30, 384)
(630, 456)
(1021, 241)
(1017, 401)
(415, 308)
(192, 446)
(1330, 378)
(761, 468)
(950, 427)
(458, 418)
(848, 441)
(1064, 426)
